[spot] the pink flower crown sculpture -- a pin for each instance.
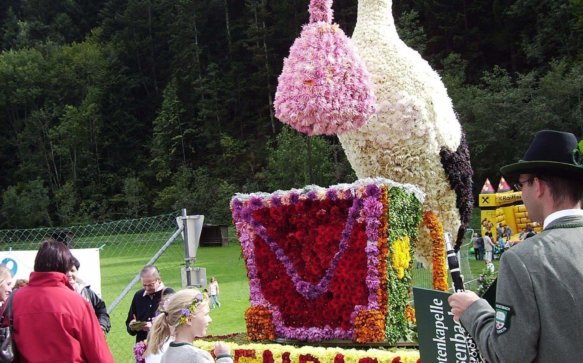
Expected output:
(324, 87)
(329, 263)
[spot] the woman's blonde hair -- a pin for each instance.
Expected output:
(4, 273)
(170, 317)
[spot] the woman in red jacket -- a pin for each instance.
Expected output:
(53, 323)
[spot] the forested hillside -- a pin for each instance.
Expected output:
(124, 108)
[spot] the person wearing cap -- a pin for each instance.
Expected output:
(538, 315)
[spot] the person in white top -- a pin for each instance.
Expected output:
(157, 357)
(488, 247)
(214, 292)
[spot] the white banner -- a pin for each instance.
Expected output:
(21, 264)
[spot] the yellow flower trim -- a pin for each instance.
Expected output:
(438, 252)
(320, 353)
(401, 256)
(250, 360)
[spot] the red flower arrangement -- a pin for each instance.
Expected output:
(310, 242)
(285, 358)
(438, 252)
(368, 360)
(267, 356)
(318, 260)
(305, 358)
(248, 353)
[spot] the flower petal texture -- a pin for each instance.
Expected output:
(415, 137)
(318, 260)
(324, 87)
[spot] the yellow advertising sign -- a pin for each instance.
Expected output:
(508, 198)
(499, 199)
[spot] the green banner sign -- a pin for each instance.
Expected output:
(441, 339)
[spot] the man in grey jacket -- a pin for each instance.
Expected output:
(538, 315)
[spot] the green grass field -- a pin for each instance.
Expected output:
(225, 263)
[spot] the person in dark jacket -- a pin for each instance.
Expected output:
(145, 303)
(91, 296)
(538, 312)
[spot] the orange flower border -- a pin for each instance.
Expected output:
(438, 252)
(383, 246)
(410, 315)
(369, 326)
(259, 322)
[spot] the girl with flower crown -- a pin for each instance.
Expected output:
(188, 313)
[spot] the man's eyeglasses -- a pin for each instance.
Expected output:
(518, 185)
(151, 284)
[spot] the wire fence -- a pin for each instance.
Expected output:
(422, 276)
(125, 247)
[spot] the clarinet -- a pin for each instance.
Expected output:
(458, 286)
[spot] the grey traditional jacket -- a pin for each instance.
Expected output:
(539, 300)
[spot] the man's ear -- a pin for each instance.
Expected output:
(541, 188)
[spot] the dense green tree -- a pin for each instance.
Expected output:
(110, 104)
(170, 146)
(25, 205)
(502, 113)
(295, 160)
(134, 192)
(65, 199)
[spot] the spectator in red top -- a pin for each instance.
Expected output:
(53, 323)
(5, 282)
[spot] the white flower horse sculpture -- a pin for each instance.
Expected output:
(415, 137)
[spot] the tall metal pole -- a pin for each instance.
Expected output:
(186, 253)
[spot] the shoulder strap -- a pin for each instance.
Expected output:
(5, 311)
(9, 310)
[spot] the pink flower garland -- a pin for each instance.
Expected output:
(320, 10)
(324, 87)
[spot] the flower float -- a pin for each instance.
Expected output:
(319, 260)
(324, 87)
(415, 137)
(272, 353)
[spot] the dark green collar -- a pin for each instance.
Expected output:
(565, 225)
(175, 344)
(566, 222)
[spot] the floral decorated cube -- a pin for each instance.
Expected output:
(330, 263)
